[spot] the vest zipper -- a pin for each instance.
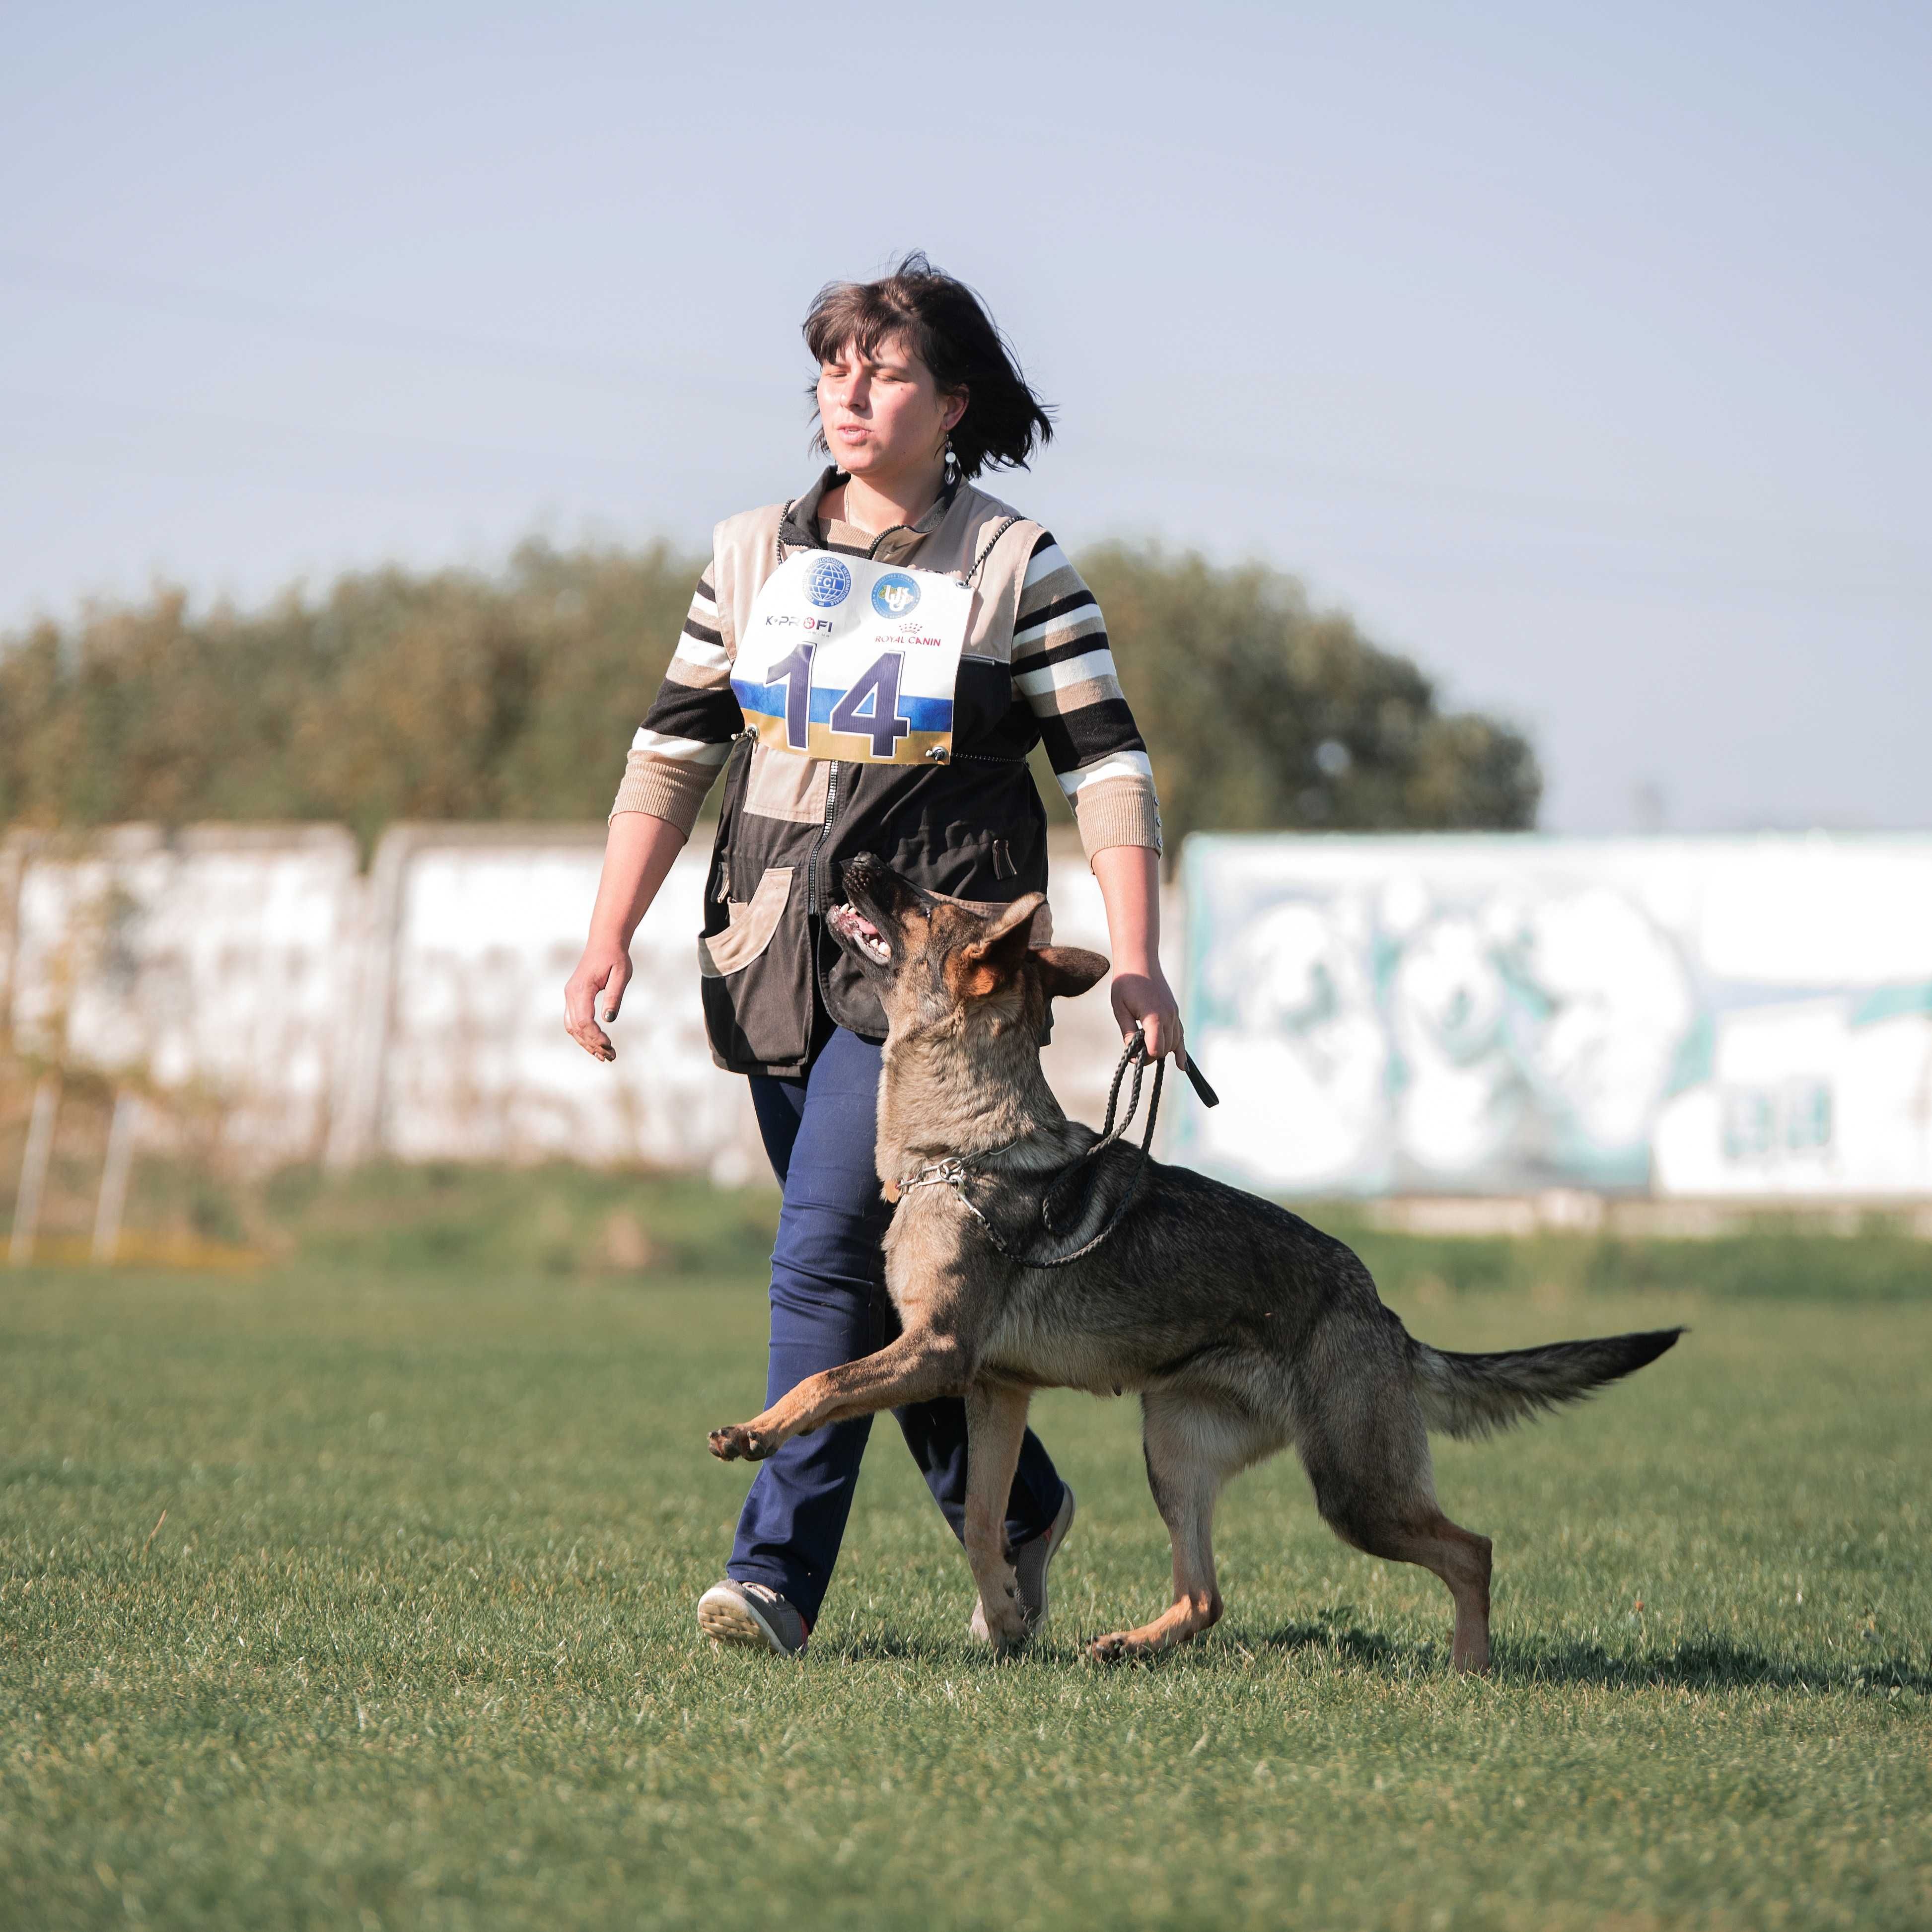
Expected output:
(812, 905)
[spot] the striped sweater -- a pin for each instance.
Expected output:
(1066, 694)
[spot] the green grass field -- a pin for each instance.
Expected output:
(413, 1645)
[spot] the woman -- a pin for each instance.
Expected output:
(870, 664)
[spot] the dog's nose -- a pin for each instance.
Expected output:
(862, 866)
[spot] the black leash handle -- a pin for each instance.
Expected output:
(1204, 1093)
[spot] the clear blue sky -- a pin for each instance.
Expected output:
(1581, 352)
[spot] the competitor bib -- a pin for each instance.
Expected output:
(849, 659)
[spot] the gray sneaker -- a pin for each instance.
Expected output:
(1031, 1561)
(750, 1613)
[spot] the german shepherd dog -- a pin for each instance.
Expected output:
(1242, 1328)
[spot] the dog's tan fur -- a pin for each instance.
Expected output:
(1242, 1328)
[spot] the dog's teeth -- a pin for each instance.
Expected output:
(851, 924)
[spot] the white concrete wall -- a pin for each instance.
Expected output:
(416, 1011)
(462, 1053)
(1718, 1019)
(220, 967)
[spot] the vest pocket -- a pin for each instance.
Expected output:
(757, 1005)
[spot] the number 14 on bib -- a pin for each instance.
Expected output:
(848, 659)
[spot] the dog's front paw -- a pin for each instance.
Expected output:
(738, 1442)
(1119, 1647)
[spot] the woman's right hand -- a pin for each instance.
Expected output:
(604, 969)
(638, 854)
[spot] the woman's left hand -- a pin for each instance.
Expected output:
(1143, 997)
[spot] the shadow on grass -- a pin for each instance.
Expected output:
(1701, 1663)
(883, 1646)
(1705, 1663)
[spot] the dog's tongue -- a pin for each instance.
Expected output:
(848, 916)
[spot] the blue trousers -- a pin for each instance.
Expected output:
(829, 1305)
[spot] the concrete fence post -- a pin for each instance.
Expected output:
(355, 1125)
(34, 1170)
(113, 1201)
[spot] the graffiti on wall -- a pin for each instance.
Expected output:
(1494, 1014)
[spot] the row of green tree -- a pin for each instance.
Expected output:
(457, 695)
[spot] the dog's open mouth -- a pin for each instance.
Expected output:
(859, 933)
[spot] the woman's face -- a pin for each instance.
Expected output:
(882, 414)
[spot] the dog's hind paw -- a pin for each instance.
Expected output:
(1004, 1626)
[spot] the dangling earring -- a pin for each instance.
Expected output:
(950, 475)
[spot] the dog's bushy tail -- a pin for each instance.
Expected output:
(1475, 1395)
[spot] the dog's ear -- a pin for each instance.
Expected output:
(993, 957)
(1066, 971)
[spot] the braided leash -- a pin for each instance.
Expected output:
(958, 1173)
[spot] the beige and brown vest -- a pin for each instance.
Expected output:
(974, 828)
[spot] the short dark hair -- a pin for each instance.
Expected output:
(947, 326)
